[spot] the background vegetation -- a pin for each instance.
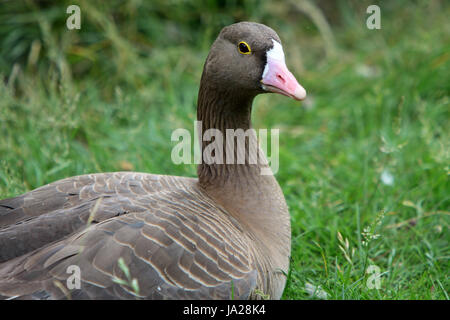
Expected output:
(364, 162)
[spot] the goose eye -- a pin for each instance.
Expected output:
(244, 48)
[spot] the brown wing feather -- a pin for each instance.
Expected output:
(59, 209)
(169, 234)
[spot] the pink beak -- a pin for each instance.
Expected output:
(277, 78)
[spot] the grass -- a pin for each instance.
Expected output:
(379, 104)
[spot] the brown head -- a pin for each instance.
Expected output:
(245, 60)
(248, 57)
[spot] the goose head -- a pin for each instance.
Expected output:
(248, 58)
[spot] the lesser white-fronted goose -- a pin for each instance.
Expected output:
(224, 235)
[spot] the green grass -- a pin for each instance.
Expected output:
(380, 103)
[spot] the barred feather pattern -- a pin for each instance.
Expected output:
(175, 241)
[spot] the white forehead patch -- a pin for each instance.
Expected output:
(276, 53)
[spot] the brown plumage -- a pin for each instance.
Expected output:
(226, 234)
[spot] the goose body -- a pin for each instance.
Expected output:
(224, 235)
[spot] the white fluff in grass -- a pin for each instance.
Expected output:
(387, 178)
(315, 291)
(367, 71)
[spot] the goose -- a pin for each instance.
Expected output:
(128, 235)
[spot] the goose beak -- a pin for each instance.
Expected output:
(277, 78)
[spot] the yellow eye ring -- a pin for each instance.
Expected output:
(244, 48)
